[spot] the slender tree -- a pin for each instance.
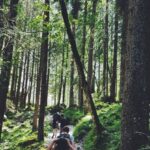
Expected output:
(86, 87)
(44, 54)
(6, 66)
(75, 10)
(123, 12)
(105, 64)
(62, 72)
(114, 71)
(91, 45)
(1, 25)
(31, 78)
(18, 92)
(83, 52)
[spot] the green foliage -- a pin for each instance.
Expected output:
(109, 116)
(82, 128)
(90, 141)
(17, 132)
(73, 115)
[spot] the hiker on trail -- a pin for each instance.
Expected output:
(55, 124)
(65, 135)
(63, 122)
(61, 144)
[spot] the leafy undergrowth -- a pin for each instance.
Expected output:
(109, 116)
(73, 115)
(17, 131)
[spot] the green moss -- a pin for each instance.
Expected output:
(82, 128)
(17, 133)
(110, 117)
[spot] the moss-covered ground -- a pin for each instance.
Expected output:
(18, 135)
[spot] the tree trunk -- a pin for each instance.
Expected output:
(19, 81)
(83, 53)
(91, 46)
(1, 25)
(31, 79)
(22, 94)
(114, 71)
(105, 64)
(61, 74)
(123, 49)
(6, 66)
(44, 53)
(13, 82)
(71, 93)
(66, 74)
(48, 73)
(26, 81)
(135, 112)
(86, 87)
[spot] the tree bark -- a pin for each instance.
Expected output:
(135, 114)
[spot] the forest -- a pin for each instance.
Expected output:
(86, 60)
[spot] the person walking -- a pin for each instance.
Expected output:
(55, 124)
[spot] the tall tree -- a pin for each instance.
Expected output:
(86, 87)
(62, 72)
(75, 10)
(37, 96)
(1, 25)
(83, 52)
(91, 45)
(123, 12)
(114, 71)
(7, 61)
(135, 112)
(105, 64)
(19, 81)
(44, 56)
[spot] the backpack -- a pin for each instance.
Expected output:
(64, 136)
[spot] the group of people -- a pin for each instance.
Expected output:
(64, 141)
(59, 121)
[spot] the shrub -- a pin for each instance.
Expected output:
(73, 115)
(82, 128)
